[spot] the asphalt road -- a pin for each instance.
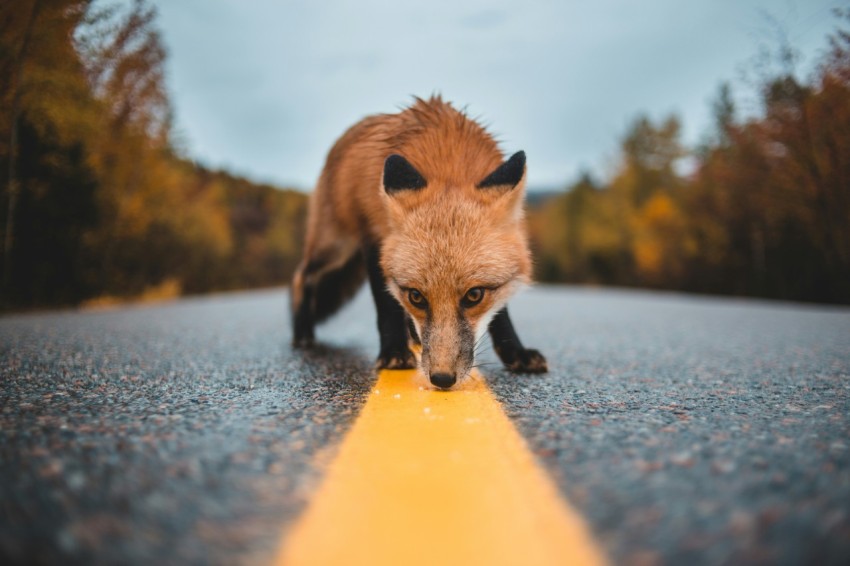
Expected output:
(686, 429)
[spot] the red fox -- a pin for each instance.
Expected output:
(423, 204)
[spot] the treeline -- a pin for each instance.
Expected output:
(96, 200)
(766, 211)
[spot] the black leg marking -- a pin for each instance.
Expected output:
(303, 319)
(510, 350)
(322, 296)
(392, 319)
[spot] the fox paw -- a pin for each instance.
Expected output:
(396, 359)
(526, 360)
(304, 342)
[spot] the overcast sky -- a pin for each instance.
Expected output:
(264, 87)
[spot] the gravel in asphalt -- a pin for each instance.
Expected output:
(180, 433)
(692, 430)
(686, 429)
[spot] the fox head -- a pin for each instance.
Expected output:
(453, 255)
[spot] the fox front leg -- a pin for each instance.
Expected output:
(392, 320)
(510, 350)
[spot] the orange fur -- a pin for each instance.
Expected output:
(442, 240)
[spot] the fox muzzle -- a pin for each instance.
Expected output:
(447, 350)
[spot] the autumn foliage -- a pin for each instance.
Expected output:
(766, 211)
(96, 200)
(97, 204)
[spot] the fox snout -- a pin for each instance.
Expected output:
(447, 351)
(443, 380)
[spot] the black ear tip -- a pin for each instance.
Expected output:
(399, 175)
(393, 160)
(508, 173)
(518, 159)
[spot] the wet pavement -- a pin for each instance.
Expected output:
(695, 429)
(182, 433)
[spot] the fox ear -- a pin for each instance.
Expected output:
(400, 175)
(507, 175)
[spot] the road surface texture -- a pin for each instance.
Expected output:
(685, 429)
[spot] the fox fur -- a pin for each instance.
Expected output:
(422, 203)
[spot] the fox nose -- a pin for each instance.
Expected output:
(443, 380)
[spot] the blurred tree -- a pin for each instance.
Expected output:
(622, 233)
(578, 205)
(723, 112)
(56, 211)
(766, 212)
(648, 159)
(97, 203)
(645, 190)
(124, 64)
(42, 86)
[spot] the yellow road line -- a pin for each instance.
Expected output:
(436, 478)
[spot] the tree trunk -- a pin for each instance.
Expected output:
(13, 185)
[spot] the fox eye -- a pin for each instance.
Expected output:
(473, 297)
(416, 298)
